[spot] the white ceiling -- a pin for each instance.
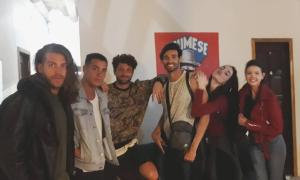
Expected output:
(67, 7)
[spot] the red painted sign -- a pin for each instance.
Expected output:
(199, 50)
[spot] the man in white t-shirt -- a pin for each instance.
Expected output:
(93, 140)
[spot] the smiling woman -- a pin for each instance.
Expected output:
(222, 107)
(261, 115)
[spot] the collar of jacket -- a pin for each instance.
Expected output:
(101, 95)
(265, 92)
(34, 84)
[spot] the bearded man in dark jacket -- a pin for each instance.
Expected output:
(36, 123)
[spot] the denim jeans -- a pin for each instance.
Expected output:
(273, 168)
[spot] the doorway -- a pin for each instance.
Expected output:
(276, 56)
(23, 63)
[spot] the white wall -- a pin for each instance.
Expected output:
(112, 27)
(64, 31)
(7, 44)
(22, 26)
(1, 80)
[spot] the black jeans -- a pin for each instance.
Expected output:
(174, 166)
(3, 176)
(222, 161)
(129, 165)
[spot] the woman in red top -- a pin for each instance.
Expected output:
(222, 108)
(261, 115)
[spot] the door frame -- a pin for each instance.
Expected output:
(24, 51)
(290, 43)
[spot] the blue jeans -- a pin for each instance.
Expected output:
(273, 168)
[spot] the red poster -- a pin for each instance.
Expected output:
(199, 50)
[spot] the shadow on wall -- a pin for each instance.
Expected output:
(152, 116)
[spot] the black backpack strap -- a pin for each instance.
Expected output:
(187, 80)
(168, 103)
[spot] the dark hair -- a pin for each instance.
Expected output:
(170, 46)
(230, 90)
(257, 63)
(69, 91)
(126, 59)
(254, 62)
(92, 56)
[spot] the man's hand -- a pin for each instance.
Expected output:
(158, 91)
(104, 87)
(156, 136)
(77, 152)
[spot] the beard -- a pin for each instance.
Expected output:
(54, 86)
(171, 69)
(124, 81)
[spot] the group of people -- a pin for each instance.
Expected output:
(56, 127)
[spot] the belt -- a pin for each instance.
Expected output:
(122, 150)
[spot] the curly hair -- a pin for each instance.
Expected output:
(124, 58)
(69, 90)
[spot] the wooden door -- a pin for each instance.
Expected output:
(275, 55)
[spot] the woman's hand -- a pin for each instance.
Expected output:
(242, 120)
(190, 155)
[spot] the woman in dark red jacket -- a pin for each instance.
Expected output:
(261, 115)
(222, 108)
